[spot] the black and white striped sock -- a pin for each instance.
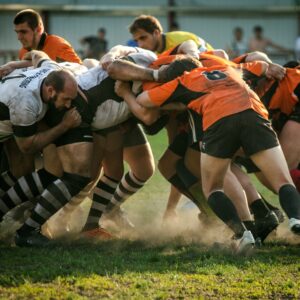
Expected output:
(55, 196)
(103, 193)
(25, 189)
(128, 186)
(7, 180)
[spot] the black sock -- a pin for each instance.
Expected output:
(250, 225)
(268, 204)
(225, 210)
(259, 209)
(289, 199)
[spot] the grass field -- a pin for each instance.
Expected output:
(178, 261)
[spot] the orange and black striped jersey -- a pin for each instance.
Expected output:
(57, 48)
(214, 92)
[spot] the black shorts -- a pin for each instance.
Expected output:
(181, 143)
(279, 121)
(135, 136)
(75, 135)
(195, 129)
(246, 129)
(247, 163)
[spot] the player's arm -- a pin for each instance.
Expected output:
(31, 141)
(147, 115)
(114, 53)
(188, 47)
(9, 67)
(261, 68)
(128, 71)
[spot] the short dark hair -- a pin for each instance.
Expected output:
(258, 28)
(102, 30)
(147, 23)
(30, 16)
(180, 65)
(56, 79)
(292, 64)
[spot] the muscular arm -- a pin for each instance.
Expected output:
(128, 71)
(146, 115)
(38, 141)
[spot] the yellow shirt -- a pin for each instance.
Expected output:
(174, 38)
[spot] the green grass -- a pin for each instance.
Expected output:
(152, 266)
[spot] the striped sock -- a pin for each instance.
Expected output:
(103, 193)
(7, 180)
(25, 189)
(55, 196)
(128, 186)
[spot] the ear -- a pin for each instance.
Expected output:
(156, 32)
(50, 90)
(40, 28)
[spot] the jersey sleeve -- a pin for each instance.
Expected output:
(163, 93)
(253, 70)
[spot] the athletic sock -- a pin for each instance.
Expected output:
(103, 193)
(289, 199)
(259, 209)
(128, 186)
(225, 210)
(193, 188)
(55, 196)
(25, 189)
(250, 225)
(295, 174)
(7, 180)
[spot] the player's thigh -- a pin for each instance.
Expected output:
(290, 143)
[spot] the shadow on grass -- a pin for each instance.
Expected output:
(19, 265)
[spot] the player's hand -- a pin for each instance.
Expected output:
(6, 69)
(275, 71)
(122, 88)
(106, 60)
(71, 118)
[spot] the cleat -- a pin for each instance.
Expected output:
(120, 218)
(246, 243)
(294, 225)
(279, 214)
(32, 239)
(97, 233)
(264, 226)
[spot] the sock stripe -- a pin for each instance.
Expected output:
(135, 179)
(9, 178)
(25, 187)
(43, 212)
(30, 222)
(3, 207)
(130, 181)
(109, 181)
(102, 194)
(14, 197)
(98, 206)
(63, 189)
(104, 187)
(30, 179)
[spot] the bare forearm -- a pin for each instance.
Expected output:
(40, 140)
(146, 115)
(127, 71)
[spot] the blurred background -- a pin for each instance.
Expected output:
(214, 20)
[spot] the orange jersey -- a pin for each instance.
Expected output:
(282, 96)
(214, 92)
(57, 48)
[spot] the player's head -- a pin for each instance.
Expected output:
(178, 67)
(29, 28)
(147, 31)
(292, 64)
(61, 88)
